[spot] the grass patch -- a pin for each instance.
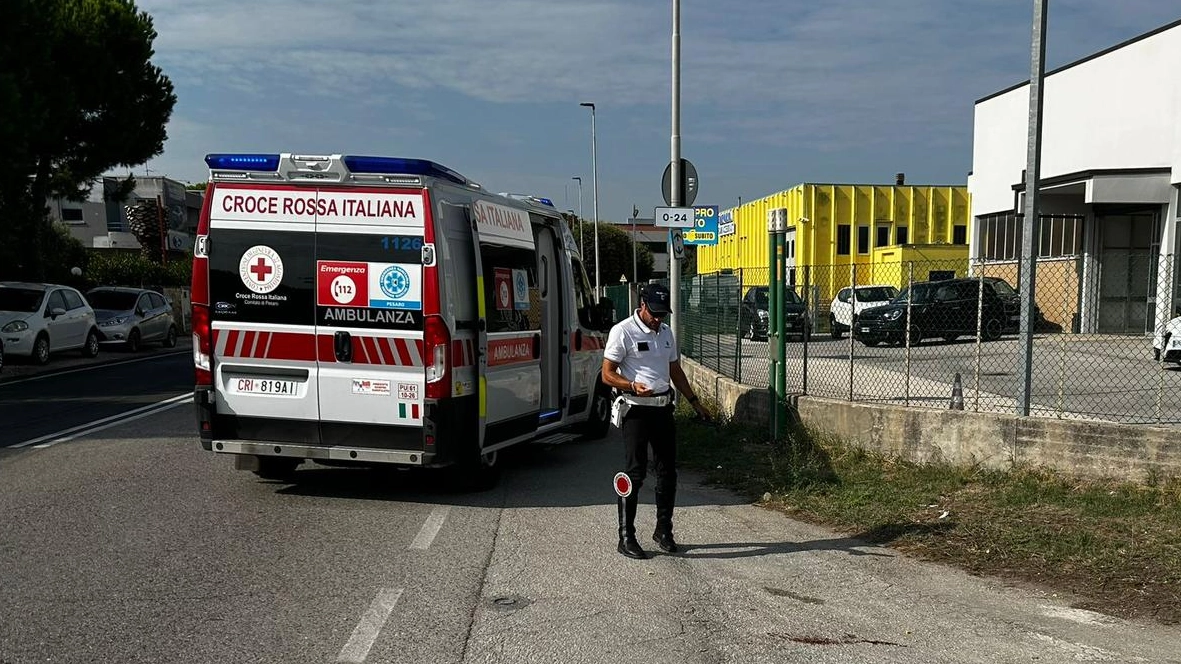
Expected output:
(1114, 544)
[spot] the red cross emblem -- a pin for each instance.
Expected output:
(261, 269)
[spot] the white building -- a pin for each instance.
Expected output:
(1111, 173)
(100, 221)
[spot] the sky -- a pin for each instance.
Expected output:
(773, 92)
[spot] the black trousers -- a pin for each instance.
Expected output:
(652, 427)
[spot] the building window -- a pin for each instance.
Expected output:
(1059, 236)
(863, 239)
(1000, 237)
(959, 234)
(72, 215)
(900, 235)
(883, 238)
(843, 239)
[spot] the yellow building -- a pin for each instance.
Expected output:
(845, 233)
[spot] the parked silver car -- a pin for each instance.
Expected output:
(37, 319)
(132, 317)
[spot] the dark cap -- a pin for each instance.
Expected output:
(657, 297)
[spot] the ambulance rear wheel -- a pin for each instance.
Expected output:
(599, 422)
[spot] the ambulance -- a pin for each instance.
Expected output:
(354, 310)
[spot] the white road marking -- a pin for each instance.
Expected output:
(105, 423)
(357, 649)
(426, 534)
(104, 365)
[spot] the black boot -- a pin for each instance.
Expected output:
(663, 535)
(628, 545)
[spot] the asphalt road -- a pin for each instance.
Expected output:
(134, 545)
(1100, 377)
(64, 395)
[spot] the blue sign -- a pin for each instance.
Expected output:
(705, 226)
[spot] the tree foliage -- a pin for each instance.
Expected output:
(118, 268)
(616, 247)
(78, 96)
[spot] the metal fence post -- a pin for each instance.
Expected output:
(781, 342)
(807, 324)
(773, 321)
(718, 322)
(852, 315)
(979, 323)
(1062, 367)
(738, 331)
(906, 331)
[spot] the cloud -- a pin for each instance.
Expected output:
(786, 82)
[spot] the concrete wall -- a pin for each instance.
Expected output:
(1075, 447)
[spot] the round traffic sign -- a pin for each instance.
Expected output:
(689, 183)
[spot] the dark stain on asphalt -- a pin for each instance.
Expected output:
(778, 592)
(848, 639)
(509, 603)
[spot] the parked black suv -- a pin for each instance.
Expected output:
(754, 317)
(945, 309)
(1012, 299)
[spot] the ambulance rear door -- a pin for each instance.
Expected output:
(510, 311)
(369, 315)
(262, 297)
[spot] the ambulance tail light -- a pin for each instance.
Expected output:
(437, 345)
(202, 345)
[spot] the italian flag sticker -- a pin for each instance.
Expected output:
(408, 411)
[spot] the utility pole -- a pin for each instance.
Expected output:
(1029, 229)
(674, 264)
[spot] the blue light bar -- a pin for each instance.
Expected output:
(400, 166)
(243, 162)
(545, 201)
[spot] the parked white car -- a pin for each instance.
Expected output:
(1166, 344)
(851, 301)
(39, 319)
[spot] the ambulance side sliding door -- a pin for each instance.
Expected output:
(512, 356)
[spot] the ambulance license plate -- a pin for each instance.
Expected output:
(268, 386)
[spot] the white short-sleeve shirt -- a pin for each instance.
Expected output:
(643, 354)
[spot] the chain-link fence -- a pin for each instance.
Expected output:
(945, 334)
(723, 323)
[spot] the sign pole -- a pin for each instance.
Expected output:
(674, 263)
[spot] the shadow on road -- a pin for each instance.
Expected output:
(576, 474)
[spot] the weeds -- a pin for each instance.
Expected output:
(1115, 544)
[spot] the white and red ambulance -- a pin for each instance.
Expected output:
(374, 310)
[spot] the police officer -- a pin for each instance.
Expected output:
(642, 362)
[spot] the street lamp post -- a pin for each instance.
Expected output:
(635, 272)
(581, 249)
(595, 195)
